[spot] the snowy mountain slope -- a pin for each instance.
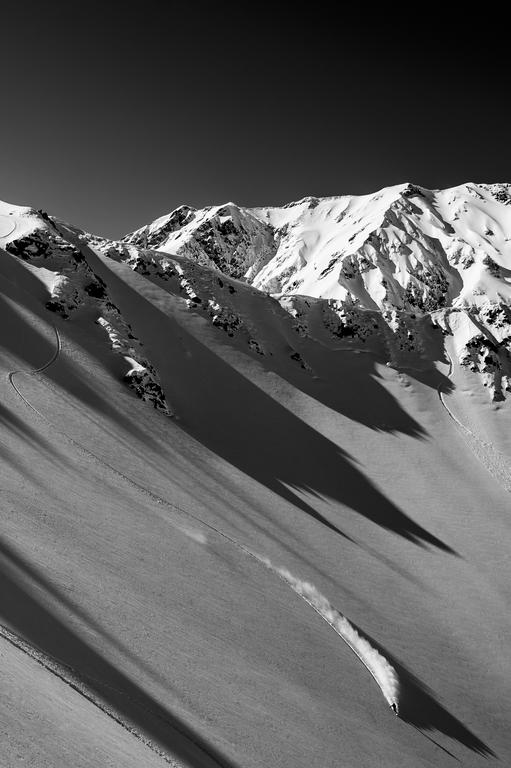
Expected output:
(292, 437)
(404, 252)
(73, 288)
(51, 711)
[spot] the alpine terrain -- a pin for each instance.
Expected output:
(255, 467)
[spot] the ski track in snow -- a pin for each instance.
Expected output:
(13, 227)
(79, 683)
(380, 669)
(382, 672)
(495, 462)
(12, 374)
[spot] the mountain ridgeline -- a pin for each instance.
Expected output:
(397, 273)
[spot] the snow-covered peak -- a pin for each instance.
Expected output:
(372, 269)
(317, 246)
(403, 249)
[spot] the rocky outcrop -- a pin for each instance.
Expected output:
(73, 287)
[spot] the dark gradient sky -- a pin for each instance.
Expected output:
(113, 116)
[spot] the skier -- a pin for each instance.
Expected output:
(393, 707)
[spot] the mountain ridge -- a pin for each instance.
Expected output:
(372, 271)
(401, 251)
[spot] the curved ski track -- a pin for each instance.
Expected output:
(57, 667)
(7, 234)
(495, 462)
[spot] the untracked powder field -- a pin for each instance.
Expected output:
(255, 466)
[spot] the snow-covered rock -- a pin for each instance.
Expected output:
(37, 239)
(234, 240)
(381, 262)
(379, 270)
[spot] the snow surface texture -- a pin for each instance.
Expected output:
(379, 265)
(381, 670)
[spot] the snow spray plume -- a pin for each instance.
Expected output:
(383, 673)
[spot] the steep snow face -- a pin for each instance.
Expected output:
(402, 253)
